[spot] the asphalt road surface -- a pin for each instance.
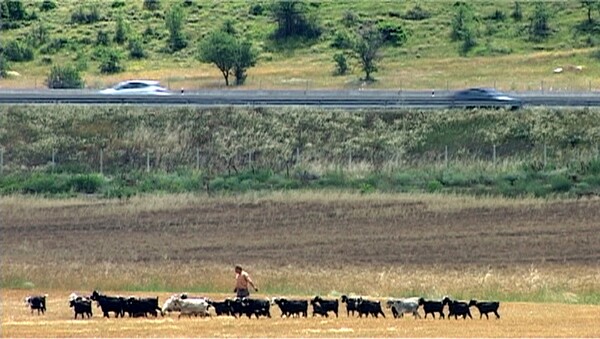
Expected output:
(316, 98)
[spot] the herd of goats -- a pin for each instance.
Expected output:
(237, 307)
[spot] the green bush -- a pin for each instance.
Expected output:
(434, 186)
(64, 77)
(18, 51)
(560, 184)
(45, 183)
(86, 183)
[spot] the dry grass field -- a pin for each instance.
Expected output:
(539, 257)
(517, 320)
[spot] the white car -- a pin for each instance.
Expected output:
(134, 87)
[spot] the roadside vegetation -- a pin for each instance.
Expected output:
(332, 44)
(121, 151)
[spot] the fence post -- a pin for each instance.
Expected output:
(197, 158)
(250, 158)
(494, 154)
(147, 161)
(298, 155)
(53, 158)
(350, 160)
(102, 161)
(446, 156)
(545, 155)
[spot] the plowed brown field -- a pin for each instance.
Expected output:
(304, 244)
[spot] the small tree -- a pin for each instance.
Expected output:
(517, 13)
(367, 48)
(462, 21)
(219, 48)
(539, 28)
(120, 31)
(589, 6)
(229, 54)
(174, 20)
(64, 77)
(292, 21)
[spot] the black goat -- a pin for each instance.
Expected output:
(457, 308)
(141, 307)
(486, 307)
(433, 307)
(109, 304)
(323, 307)
(81, 305)
(37, 302)
(291, 308)
(366, 307)
(221, 307)
(257, 307)
(350, 304)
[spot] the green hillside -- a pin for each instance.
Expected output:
(504, 54)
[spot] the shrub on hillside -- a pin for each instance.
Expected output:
(47, 5)
(136, 48)
(174, 20)
(120, 31)
(85, 15)
(18, 51)
(38, 35)
(86, 183)
(392, 33)
(416, 13)
(111, 61)
(256, 9)
(341, 40)
(151, 5)
(55, 45)
(102, 38)
(64, 77)
(12, 11)
(118, 4)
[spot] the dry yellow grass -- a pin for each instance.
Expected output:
(518, 320)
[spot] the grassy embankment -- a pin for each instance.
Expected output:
(504, 57)
(539, 152)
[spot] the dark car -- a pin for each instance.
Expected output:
(485, 97)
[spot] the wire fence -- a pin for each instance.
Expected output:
(114, 161)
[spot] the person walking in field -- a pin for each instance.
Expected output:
(242, 280)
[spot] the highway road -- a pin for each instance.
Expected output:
(317, 98)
